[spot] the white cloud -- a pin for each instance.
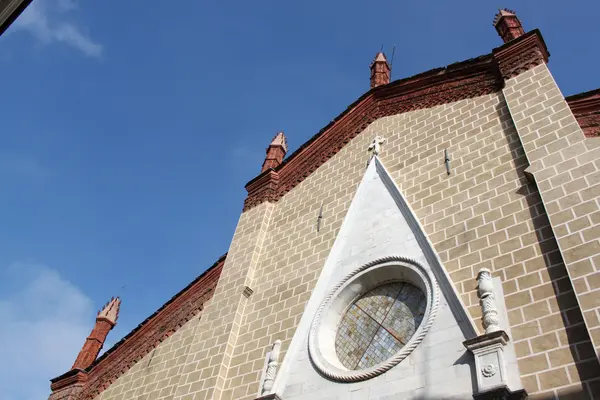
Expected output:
(44, 322)
(47, 20)
(67, 5)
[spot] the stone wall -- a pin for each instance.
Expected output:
(485, 214)
(566, 167)
(156, 376)
(379, 225)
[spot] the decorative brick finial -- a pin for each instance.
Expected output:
(275, 152)
(105, 321)
(508, 25)
(110, 311)
(380, 71)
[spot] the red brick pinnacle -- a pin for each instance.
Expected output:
(464, 80)
(105, 321)
(508, 25)
(380, 71)
(275, 152)
(185, 305)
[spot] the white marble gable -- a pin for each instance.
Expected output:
(379, 224)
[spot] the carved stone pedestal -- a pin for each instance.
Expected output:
(272, 396)
(502, 393)
(490, 367)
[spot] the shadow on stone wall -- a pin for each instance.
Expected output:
(566, 395)
(586, 365)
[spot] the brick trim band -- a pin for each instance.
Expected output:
(468, 79)
(147, 336)
(521, 55)
(586, 108)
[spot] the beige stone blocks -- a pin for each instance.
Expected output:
(156, 375)
(485, 214)
(565, 165)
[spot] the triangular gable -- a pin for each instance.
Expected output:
(381, 224)
(443, 279)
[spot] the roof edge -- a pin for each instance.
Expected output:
(155, 313)
(586, 109)
(583, 95)
(470, 78)
(534, 33)
(147, 335)
(466, 79)
(68, 374)
(431, 74)
(585, 102)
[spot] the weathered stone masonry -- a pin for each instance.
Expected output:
(521, 200)
(565, 166)
(486, 215)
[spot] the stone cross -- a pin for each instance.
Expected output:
(272, 362)
(375, 146)
(488, 302)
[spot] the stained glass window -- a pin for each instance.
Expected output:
(379, 324)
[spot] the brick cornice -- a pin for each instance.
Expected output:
(590, 124)
(584, 102)
(262, 188)
(586, 108)
(521, 54)
(472, 78)
(184, 306)
(459, 81)
(71, 378)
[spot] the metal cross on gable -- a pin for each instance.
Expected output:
(375, 146)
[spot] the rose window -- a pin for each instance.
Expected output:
(378, 325)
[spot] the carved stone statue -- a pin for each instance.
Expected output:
(492, 370)
(488, 302)
(273, 358)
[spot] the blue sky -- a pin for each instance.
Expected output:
(129, 130)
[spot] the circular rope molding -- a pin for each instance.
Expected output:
(322, 334)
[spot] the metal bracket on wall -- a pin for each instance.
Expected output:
(320, 217)
(447, 161)
(248, 292)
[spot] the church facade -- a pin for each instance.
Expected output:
(439, 239)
